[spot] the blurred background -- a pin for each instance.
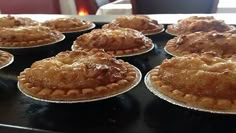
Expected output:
(116, 7)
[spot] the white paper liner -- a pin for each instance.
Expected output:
(9, 61)
(135, 83)
(179, 103)
(154, 33)
(233, 31)
(36, 46)
(168, 32)
(128, 55)
(169, 52)
(82, 30)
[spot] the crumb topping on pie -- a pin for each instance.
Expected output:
(5, 58)
(118, 41)
(223, 44)
(77, 75)
(25, 36)
(68, 24)
(199, 80)
(141, 23)
(12, 21)
(195, 23)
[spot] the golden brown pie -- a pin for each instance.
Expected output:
(77, 75)
(141, 23)
(12, 21)
(195, 23)
(223, 44)
(118, 41)
(69, 24)
(28, 36)
(201, 81)
(5, 58)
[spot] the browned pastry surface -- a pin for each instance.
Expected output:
(12, 21)
(195, 23)
(141, 23)
(28, 36)
(119, 41)
(68, 24)
(198, 80)
(5, 58)
(223, 44)
(76, 75)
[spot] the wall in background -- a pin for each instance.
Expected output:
(30, 7)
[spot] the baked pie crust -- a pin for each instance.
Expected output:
(140, 23)
(12, 21)
(28, 36)
(69, 24)
(5, 59)
(77, 75)
(195, 23)
(202, 81)
(118, 41)
(223, 44)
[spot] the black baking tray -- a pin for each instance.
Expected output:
(137, 111)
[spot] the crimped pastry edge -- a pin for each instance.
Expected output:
(191, 101)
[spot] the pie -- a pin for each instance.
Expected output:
(5, 58)
(223, 44)
(202, 81)
(12, 21)
(195, 23)
(118, 41)
(77, 75)
(69, 24)
(27, 36)
(141, 23)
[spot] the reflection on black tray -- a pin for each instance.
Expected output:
(161, 116)
(7, 85)
(110, 114)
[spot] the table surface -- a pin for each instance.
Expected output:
(161, 18)
(137, 111)
(115, 9)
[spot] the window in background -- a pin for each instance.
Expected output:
(226, 6)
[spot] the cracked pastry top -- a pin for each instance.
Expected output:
(12, 21)
(5, 58)
(27, 36)
(140, 23)
(201, 81)
(77, 75)
(118, 41)
(68, 24)
(195, 23)
(223, 44)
